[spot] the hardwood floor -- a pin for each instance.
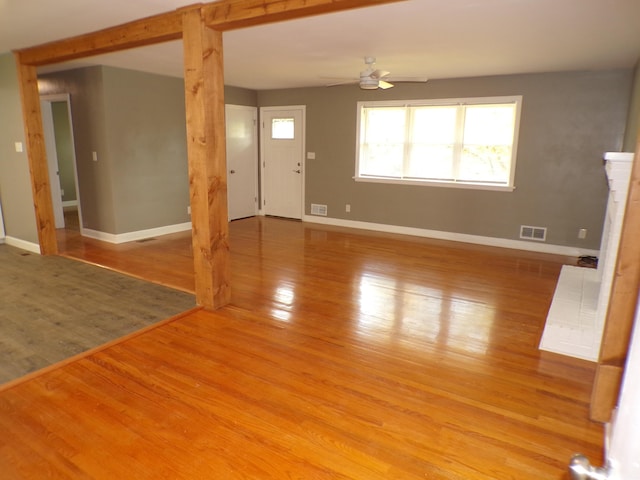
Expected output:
(344, 355)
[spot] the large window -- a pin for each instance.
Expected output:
(462, 142)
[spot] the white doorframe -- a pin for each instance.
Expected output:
(263, 110)
(65, 97)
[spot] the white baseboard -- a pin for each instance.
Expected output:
(22, 244)
(70, 203)
(456, 237)
(138, 235)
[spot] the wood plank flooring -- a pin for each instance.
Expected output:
(344, 355)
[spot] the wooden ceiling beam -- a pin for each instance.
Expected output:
(221, 16)
(139, 33)
(234, 14)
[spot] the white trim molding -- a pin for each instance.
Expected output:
(455, 237)
(22, 244)
(138, 235)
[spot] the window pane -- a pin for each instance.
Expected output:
(384, 125)
(488, 135)
(485, 163)
(431, 161)
(489, 124)
(432, 137)
(434, 125)
(381, 160)
(382, 150)
(282, 128)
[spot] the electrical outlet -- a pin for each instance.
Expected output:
(582, 233)
(347, 208)
(189, 210)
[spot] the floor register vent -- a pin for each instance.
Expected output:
(533, 233)
(318, 209)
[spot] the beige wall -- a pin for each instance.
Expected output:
(568, 121)
(15, 181)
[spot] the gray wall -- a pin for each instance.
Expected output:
(15, 182)
(85, 88)
(568, 121)
(135, 122)
(240, 96)
(146, 148)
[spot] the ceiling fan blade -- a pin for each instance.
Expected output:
(379, 74)
(334, 81)
(384, 85)
(395, 78)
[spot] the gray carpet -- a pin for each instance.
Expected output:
(52, 308)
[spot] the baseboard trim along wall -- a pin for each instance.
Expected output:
(22, 244)
(456, 237)
(138, 235)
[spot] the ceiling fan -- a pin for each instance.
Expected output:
(372, 79)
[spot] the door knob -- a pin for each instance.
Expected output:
(232, 171)
(581, 469)
(297, 171)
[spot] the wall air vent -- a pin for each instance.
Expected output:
(318, 209)
(533, 233)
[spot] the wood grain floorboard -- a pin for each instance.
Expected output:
(344, 355)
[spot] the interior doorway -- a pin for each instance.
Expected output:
(61, 159)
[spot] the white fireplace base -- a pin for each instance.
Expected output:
(575, 321)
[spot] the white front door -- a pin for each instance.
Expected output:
(242, 160)
(52, 160)
(282, 142)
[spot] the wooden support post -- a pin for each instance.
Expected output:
(622, 306)
(204, 91)
(36, 152)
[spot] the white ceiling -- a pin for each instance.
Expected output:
(433, 38)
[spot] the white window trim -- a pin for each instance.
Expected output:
(517, 99)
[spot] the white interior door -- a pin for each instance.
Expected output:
(282, 143)
(624, 451)
(52, 160)
(242, 160)
(623, 442)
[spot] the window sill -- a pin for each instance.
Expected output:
(431, 183)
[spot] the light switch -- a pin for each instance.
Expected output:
(19, 147)
(311, 155)
(94, 155)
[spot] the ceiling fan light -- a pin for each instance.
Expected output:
(368, 83)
